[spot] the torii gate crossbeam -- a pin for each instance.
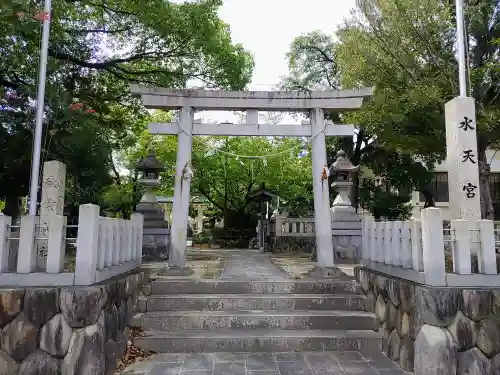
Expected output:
(251, 101)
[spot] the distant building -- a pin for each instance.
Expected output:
(439, 188)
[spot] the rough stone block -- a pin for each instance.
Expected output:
(111, 321)
(102, 321)
(496, 302)
(407, 354)
(34, 299)
(122, 315)
(371, 302)
(495, 365)
(437, 307)
(146, 289)
(86, 352)
(116, 291)
(472, 362)
(363, 280)
(384, 333)
(372, 282)
(8, 365)
(40, 363)
(393, 291)
(464, 331)
(407, 295)
(111, 353)
(121, 342)
(19, 338)
(402, 322)
(416, 323)
(381, 283)
(391, 315)
(55, 336)
(476, 304)
(488, 339)
(132, 283)
(82, 306)
(435, 352)
(380, 309)
(393, 346)
(11, 304)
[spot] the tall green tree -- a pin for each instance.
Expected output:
(313, 65)
(405, 48)
(96, 50)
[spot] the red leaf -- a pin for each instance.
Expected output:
(90, 110)
(74, 106)
(42, 16)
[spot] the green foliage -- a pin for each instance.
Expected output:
(405, 49)
(96, 50)
(227, 181)
(202, 238)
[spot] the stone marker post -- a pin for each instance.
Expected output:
(52, 203)
(462, 159)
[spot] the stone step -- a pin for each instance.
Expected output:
(232, 302)
(345, 285)
(199, 341)
(302, 320)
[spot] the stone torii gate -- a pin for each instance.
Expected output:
(314, 102)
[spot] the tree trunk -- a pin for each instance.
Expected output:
(429, 199)
(487, 211)
(356, 159)
(12, 207)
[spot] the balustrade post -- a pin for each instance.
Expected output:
(5, 223)
(433, 247)
(87, 242)
(461, 247)
(56, 244)
(486, 258)
(416, 245)
(406, 256)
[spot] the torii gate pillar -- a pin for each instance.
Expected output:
(180, 210)
(322, 217)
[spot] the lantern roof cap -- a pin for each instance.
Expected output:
(150, 163)
(342, 163)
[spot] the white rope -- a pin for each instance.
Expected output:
(238, 156)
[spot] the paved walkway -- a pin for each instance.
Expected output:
(253, 265)
(250, 265)
(315, 363)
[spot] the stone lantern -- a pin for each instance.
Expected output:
(155, 233)
(342, 170)
(346, 223)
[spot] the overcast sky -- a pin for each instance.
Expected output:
(266, 28)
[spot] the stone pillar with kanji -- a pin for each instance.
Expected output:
(462, 159)
(52, 203)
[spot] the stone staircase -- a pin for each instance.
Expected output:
(255, 316)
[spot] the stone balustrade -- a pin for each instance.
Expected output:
(417, 250)
(105, 248)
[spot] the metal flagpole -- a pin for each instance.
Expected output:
(462, 74)
(40, 103)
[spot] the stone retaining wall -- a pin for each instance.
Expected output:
(428, 330)
(66, 330)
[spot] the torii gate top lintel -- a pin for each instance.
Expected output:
(342, 100)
